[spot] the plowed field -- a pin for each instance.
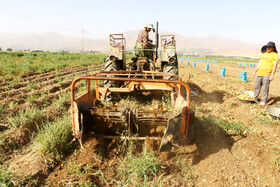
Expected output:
(237, 144)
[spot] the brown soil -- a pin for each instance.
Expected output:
(223, 159)
(218, 157)
(81, 157)
(30, 164)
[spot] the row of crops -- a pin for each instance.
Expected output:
(21, 64)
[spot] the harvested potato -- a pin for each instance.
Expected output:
(245, 97)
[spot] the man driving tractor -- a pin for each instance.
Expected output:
(143, 37)
(143, 42)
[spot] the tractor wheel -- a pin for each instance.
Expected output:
(111, 66)
(170, 69)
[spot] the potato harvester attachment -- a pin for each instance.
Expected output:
(89, 114)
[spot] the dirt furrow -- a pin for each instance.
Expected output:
(42, 82)
(35, 75)
(49, 75)
(38, 98)
(22, 92)
(24, 78)
(20, 98)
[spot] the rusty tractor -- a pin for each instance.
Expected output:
(163, 115)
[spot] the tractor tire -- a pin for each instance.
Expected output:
(170, 69)
(111, 66)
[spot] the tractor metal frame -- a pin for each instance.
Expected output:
(134, 81)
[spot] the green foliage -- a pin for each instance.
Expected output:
(186, 170)
(82, 87)
(31, 98)
(277, 157)
(265, 119)
(17, 64)
(7, 145)
(32, 86)
(59, 79)
(74, 170)
(15, 81)
(8, 179)
(2, 109)
(128, 101)
(76, 174)
(230, 127)
(29, 180)
(231, 106)
(62, 100)
(12, 105)
(2, 140)
(133, 169)
(5, 176)
(26, 117)
(168, 103)
(55, 137)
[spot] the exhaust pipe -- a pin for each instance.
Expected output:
(157, 41)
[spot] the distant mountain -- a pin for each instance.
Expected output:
(212, 44)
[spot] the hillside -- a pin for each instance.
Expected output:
(211, 44)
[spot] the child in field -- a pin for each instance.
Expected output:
(265, 70)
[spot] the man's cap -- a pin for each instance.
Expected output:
(150, 26)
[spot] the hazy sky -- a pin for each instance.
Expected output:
(246, 20)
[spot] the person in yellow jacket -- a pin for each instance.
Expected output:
(265, 70)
